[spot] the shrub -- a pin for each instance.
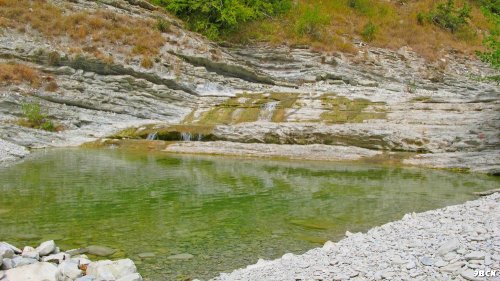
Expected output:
(35, 118)
(146, 62)
(447, 16)
(52, 86)
(421, 18)
(13, 73)
(162, 25)
(491, 9)
(368, 32)
(54, 58)
(311, 22)
(212, 17)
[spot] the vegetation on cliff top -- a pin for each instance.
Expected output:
(427, 26)
(89, 32)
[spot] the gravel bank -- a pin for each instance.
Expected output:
(444, 244)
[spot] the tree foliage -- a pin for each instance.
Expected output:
(449, 17)
(491, 9)
(213, 17)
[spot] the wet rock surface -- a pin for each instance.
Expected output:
(434, 245)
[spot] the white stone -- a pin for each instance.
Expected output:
(46, 248)
(30, 252)
(476, 255)
(21, 261)
(453, 267)
(86, 278)
(81, 260)
(410, 265)
(41, 271)
(68, 270)
(6, 251)
(449, 246)
(450, 256)
(7, 264)
(329, 245)
(107, 269)
(131, 277)
(57, 258)
(427, 261)
(12, 247)
(440, 263)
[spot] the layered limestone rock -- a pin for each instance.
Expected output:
(376, 99)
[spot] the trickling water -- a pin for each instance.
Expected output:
(152, 136)
(186, 136)
(267, 110)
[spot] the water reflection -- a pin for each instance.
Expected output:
(227, 212)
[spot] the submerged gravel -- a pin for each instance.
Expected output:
(453, 243)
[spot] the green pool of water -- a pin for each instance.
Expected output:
(226, 212)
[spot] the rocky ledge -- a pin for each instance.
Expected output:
(459, 242)
(318, 152)
(48, 263)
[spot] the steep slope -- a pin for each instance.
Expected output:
(124, 63)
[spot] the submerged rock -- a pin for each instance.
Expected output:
(146, 255)
(101, 251)
(183, 256)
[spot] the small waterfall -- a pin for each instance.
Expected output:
(186, 136)
(267, 110)
(152, 136)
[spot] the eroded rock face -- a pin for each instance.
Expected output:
(378, 99)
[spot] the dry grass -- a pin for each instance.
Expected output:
(12, 73)
(98, 31)
(396, 26)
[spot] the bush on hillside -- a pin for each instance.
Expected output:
(35, 118)
(491, 9)
(311, 22)
(212, 17)
(447, 16)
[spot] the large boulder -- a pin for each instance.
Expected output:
(41, 271)
(46, 248)
(111, 270)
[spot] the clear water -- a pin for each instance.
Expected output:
(226, 212)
